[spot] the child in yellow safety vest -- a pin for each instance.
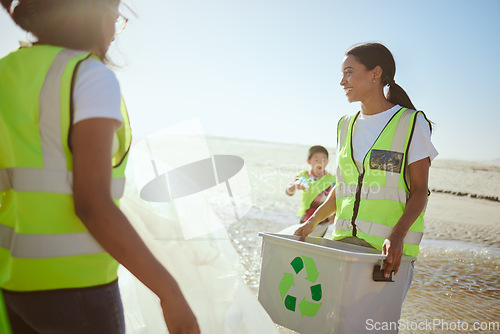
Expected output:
(315, 184)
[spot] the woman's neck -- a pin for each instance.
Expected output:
(375, 106)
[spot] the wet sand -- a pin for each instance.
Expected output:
(457, 271)
(456, 277)
(452, 215)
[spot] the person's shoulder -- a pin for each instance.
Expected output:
(347, 117)
(421, 143)
(421, 115)
(418, 113)
(421, 121)
(97, 92)
(92, 67)
(341, 121)
(94, 76)
(93, 63)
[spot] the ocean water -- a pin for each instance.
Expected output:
(456, 286)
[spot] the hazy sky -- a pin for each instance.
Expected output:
(270, 69)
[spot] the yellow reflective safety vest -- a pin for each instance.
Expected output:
(316, 187)
(372, 198)
(43, 244)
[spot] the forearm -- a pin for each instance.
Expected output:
(414, 207)
(105, 222)
(290, 190)
(324, 210)
(419, 178)
(92, 146)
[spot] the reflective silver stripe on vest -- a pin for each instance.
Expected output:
(50, 111)
(377, 230)
(344, 127)
(398, 145)
(374, 192)
(47, 181)
(54, 177)
(398, 142)
(390, 191)
(40, 246)
(340, 186)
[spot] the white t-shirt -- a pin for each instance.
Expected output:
(96, 93)
(368, 127)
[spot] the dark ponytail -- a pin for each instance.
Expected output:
(6, 4)
(397, 95)
(24, 14)
(373, 54)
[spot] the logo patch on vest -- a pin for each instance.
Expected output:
(386, 160)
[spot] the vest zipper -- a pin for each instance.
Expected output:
(357, 200)
(356, 203)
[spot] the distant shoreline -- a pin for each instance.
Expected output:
(332, 149)
(458, 193)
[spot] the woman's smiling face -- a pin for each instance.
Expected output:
(358, 82)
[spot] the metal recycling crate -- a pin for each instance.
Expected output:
(326, 286)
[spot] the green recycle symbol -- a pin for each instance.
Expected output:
(306, 308)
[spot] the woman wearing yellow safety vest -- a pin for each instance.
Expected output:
(384, 153)
(64, 139)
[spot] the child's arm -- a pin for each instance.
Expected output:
(292, 187)
(324, 210)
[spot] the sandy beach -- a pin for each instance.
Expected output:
(457, 271)
(456, 275)
(464, 219)
(465, 196)
(464, 202)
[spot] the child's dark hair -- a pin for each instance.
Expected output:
(317, 149)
